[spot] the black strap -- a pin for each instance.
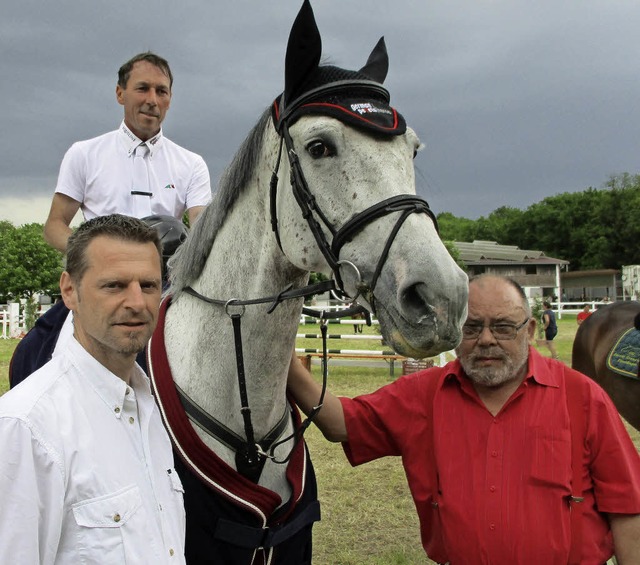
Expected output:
(249, 537)
(399, 203)
(286, 294)
(222, 433)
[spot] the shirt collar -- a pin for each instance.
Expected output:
(130, 141)
(110, 388)
(543, 370)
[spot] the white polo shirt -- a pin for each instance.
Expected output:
(86, 469)
(106, 177)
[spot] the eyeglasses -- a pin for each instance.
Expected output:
(500, 331)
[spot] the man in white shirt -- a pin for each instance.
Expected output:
(133, 170)
(86, 467)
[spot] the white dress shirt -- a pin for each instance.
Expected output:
(104, 175)
(86, 469)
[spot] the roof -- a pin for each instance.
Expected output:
(491, 252)
(591, 273)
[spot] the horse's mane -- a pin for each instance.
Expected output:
(187, 264)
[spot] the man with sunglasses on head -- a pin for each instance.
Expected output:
(488, 444)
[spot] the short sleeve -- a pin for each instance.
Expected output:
(388, 420)
(614, 460)
(72, 175)
(199, 190)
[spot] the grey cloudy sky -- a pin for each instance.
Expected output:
(514, 100)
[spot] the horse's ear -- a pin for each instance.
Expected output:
(303, 50)
(378, 62)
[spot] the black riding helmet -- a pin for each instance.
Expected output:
(171, 231)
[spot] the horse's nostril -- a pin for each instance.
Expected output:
(415, 303)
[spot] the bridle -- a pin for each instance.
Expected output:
(251, 454)
(311, 212)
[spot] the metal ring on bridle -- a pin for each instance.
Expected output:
(357, 284)
(233, 302)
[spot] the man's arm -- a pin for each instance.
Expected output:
(56, 228)
(31, 495)
(626, 537)
(306, 392)
(193, 213)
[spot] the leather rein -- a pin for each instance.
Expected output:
(251, 455)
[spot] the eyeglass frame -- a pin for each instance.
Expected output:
(480, 329)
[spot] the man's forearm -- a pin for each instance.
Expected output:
(306, 392)
(626, 537)
(57, 234)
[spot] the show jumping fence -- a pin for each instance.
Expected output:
(360, 357)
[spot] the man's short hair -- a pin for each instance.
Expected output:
(116, 226)
(125, 70)
(512, 282)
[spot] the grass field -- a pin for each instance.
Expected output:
(367, 512)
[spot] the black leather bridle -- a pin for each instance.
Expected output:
(311, 212)
(251, 454)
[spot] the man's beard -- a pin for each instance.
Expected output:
(493, 376)
(134, 345)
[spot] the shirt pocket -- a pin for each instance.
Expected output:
(109, 527)
(548, 451)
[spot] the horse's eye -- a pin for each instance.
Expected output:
(317, 150)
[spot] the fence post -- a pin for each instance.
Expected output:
(14, 319)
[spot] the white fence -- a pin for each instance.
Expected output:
(575, 307)
(12, 319)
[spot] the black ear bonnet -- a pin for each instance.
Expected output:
(354, 97)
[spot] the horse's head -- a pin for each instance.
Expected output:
(353, 208)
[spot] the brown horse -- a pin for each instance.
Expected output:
(594, 340)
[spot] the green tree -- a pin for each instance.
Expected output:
(28, 265)
(592, 229)
(453, 228)
(502, 225)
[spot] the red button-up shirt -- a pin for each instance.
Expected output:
(503, 481)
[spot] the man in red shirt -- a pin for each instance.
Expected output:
(486, 445)
(586, 312)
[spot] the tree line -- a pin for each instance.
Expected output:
(593, 229)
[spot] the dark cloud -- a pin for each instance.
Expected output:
(515, 101)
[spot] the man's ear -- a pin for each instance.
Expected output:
(68, 291)
(531, 328)
(119, 97)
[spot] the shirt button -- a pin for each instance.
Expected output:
(494, 454)
(492, 526)
(116, 517)
(171, 552)
(131, 420)
(492, 488)
(117, 409)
